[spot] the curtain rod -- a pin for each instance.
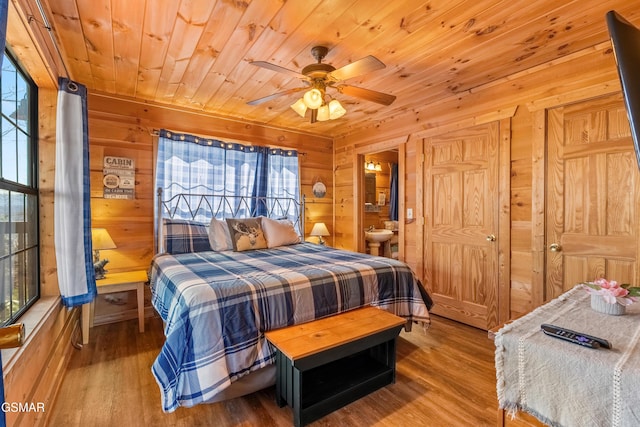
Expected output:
(47, 26)
(156, 132)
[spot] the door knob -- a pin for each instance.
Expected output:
(491, 238)
(555, 247)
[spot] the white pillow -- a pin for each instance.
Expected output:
(279, 232)
(219, 237)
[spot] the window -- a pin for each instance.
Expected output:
(249, 174)
(19, 250)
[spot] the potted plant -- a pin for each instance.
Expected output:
(610, 297)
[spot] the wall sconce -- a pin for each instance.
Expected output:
(374, 167)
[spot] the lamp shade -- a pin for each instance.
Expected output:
(336, 110)
(313, 98)
(100, 239)
(319, 229)
(299, 107)
(323, 113)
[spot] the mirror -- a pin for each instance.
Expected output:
(370, 188)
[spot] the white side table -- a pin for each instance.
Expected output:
(116, 282)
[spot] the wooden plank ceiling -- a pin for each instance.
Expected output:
(196, 54)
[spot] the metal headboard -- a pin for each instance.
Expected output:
(203, 207)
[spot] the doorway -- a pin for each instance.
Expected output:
(379, 199)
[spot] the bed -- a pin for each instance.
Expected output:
(218, 297)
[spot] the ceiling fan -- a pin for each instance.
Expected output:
(318, 77)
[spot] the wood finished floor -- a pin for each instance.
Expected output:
(445, 377)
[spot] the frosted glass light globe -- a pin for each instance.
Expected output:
(313, 98)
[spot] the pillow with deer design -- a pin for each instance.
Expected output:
(246, 234)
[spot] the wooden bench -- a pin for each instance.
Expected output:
(326, 364)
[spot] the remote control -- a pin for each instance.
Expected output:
(575, 337)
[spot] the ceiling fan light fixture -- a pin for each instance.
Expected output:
(313, 98)
(320, 76)
(299, 107)
(336, 110)
(323, 113)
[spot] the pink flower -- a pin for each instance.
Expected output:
(611, 291)
(605, 284)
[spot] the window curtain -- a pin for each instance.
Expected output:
(283, 181)
(393, 193)
(72, 209)
(261, 183)
(195, 165)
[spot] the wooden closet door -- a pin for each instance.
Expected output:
(593, 196)
(461, 224)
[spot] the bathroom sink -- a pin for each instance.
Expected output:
(378, 236)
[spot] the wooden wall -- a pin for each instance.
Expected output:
(523, 98)
(122, 128)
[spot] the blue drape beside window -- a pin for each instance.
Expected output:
(393, 193)
(195, 165)
(261, 182)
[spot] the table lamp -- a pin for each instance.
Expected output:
(319, 229)
(100, 239)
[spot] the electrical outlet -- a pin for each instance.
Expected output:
(409, 213)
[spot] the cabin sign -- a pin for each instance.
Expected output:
(119, 178)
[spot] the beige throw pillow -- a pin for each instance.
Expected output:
(279, 232)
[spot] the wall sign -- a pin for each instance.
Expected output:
(119, 178)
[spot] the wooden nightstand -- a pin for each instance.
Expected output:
(116, 282)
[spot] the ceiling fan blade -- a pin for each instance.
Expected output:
(279, 69)
(368, 94)
(276, 95)
(357, 68)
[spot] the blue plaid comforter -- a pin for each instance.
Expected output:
(217, 305)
